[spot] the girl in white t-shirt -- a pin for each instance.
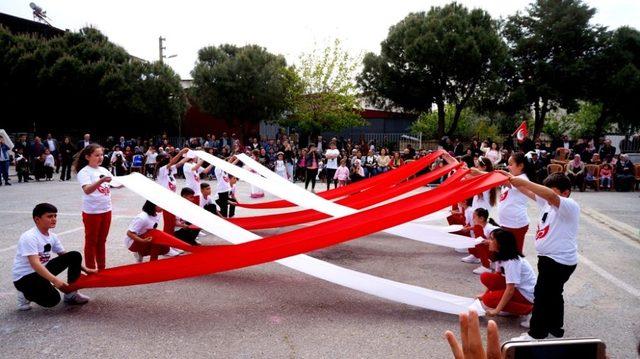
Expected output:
(137, 241)
(510, 289)
(513, 203)
(482, 228)
(486, 199)
(150, 161)
(96, 204)
(166, 177)
(192, 171)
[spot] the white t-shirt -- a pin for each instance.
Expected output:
(519, 273)
(512, 207)
(141, 224)
(556, 236)
(49, 161)
(98, 201)
(223, 181)
(332, 163)
(206, 201)
(52, 145)
(151, 158)
(33, 242)
(482, 200)
(468, 216)
(192, 178)
(167, 179)
(488, 228)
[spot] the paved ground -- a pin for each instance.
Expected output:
(272, 311)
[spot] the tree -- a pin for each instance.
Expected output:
(324, 98)
(441, 57)
(549, 46)
(614, 80)
(80, 82)
(242, 83)
(471, 125)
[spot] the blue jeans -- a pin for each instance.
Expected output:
(4, 171)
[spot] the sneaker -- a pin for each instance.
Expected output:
(174, 252)
(23, 303)
(470, 259)
(75, 298)
(138, 257)
(461, 250)
(481, 270)
(526, 320)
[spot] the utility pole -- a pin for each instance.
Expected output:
(160, 47)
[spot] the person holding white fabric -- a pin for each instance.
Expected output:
(192, 171)
(137, 242)
(224, 188)
(513, 204)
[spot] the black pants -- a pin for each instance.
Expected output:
(330, 172)
(187, 235)
(223, 203)
(65, 172)
(310, 177)
(211, 208)
(39, 290)
(548, 304)
(48, 171)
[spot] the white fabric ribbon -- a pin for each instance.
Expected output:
(366, 283)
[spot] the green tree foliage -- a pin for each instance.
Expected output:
(82, 82)
(470, 125)
(549, 46)
(324, 98)
(614, 80)
(444, 56)
(242, 83)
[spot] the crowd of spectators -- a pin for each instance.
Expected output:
(335, 160)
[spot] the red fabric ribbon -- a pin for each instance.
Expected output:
(212, 259)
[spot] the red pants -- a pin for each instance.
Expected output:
(96, 229)
(168, 222)
(519, 233)
(496, 286)
(481, 251)
(456, 218)
(196, 200)
(148, 249)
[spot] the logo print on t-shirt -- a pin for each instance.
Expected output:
(504, 195)
(541, 233)
(196, 177)
(172, 186)
(105, 190)
(46, 254)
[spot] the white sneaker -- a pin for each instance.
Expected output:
(75, 298)
(23, 303)
(174, 252)
(137, 256)
(526, 321)
(471, 259)
(461, 250)
(481, 270)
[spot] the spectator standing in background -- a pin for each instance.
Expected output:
(86, 141)
(66, 158)
(4, 163)
(331, 155)
(51, 144)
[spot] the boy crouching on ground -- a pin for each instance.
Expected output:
(34, 272)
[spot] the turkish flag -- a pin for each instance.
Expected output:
(521, 132)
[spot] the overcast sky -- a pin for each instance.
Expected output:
(287, 27)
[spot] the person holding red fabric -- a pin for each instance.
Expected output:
(510, 289)
(96, 204)
(136, 241)
(513, 203)
(482, 228)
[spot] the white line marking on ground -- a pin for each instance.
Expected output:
(59, 234)
(608, 276)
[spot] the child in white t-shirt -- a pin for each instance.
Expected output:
(511, 288)
(166, 177)
(342, 173)
(280, 168)
(184, 230)
(136, 240)
(192, 171)
(96, 204)
(34, 271)
(207, 201)
(49, 164)
(557, 247)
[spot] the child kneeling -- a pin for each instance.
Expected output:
(34, 272)
(145, 221)
(510, 289)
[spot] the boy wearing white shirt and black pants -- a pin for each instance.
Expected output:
(557, 249)
(34, 271)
